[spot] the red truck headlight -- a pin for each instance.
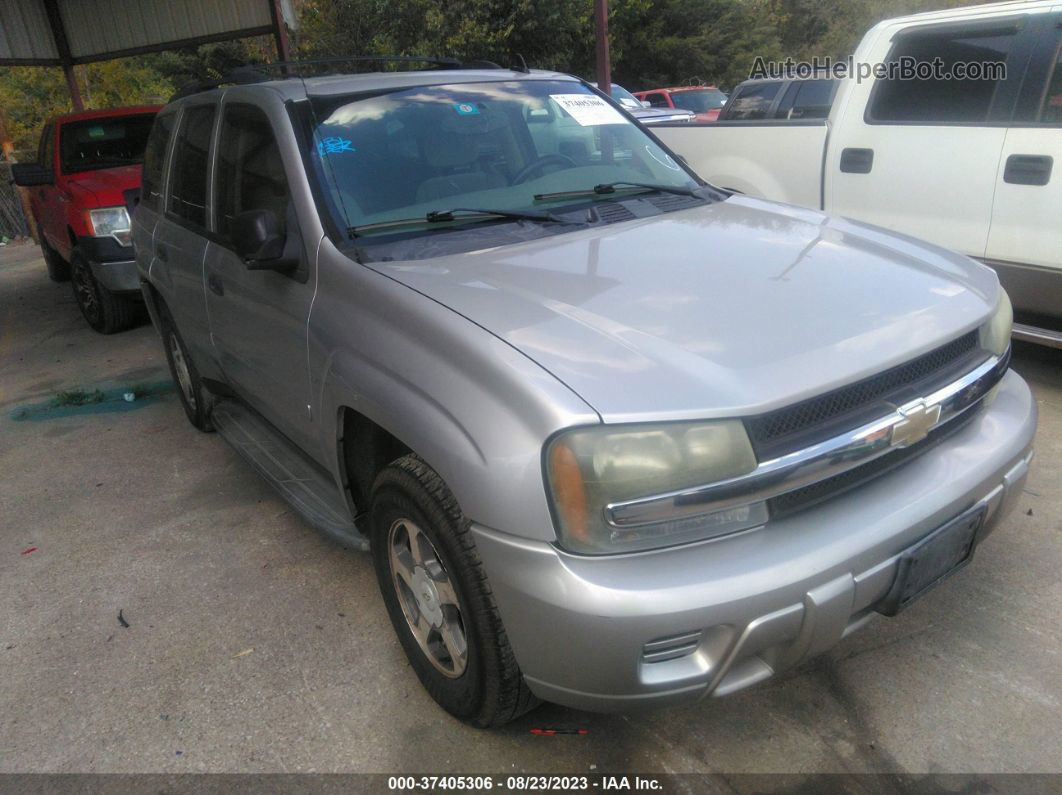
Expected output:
(111, 222)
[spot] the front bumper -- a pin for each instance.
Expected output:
(618, 632)
(117, 277)
(112, 264)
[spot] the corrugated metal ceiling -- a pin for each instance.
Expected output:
(97, 29)
(24, 31)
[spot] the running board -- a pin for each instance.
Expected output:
(300, 482)
(1041, 336)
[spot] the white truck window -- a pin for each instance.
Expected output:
(942, 100)
(1051, 112)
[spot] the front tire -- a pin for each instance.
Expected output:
(104, 311)
(196, 399)
(439, 600)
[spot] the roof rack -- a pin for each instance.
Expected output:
(257, 73)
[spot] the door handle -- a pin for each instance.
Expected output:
(857, 161)
(215, 285)
(1028, 169)
(161, 253)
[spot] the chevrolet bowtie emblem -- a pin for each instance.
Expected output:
(917, 421)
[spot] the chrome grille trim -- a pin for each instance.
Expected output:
(823, 460)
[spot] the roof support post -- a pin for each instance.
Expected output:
(72, 87)
(604, 66)
(280, 32)
(62, 46)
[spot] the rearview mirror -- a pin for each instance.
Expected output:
(27, 175)
(259, 241)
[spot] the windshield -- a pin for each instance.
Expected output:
(699, 100)
(104, 143)
(625, 98)
(488, 146)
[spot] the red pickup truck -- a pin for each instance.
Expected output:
(82, 189)
(705, 101)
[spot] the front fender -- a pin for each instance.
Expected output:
(477, 410)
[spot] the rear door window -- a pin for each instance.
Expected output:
(190, 168)
(1051, 109)
(154, 159)
(250, 172)
(807, 99)
(751, 101)
(945, 98)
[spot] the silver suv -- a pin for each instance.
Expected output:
(613, 436)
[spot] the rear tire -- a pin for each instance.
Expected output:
(58, 268)
(104, 311)
(451, 632)
(196, 400)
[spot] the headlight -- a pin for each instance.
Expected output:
(590, 468)
(995, 334)
(113, 222)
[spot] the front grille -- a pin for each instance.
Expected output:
(799, 499)
(803, 424)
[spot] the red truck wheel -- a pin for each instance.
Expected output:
(104, 311)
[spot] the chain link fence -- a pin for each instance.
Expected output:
(12, 220)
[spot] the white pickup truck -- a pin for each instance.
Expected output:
(966, 164)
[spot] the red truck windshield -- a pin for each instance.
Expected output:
(104, 143)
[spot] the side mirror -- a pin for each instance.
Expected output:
(259, 241)
(27, 175)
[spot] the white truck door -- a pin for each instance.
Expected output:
(1025, 240)
(769, 142)
(920, 156)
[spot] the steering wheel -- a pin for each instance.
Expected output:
(531, 168)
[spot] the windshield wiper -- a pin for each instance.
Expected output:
(466, 213)
(610, 187)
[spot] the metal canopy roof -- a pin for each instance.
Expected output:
(68, 32)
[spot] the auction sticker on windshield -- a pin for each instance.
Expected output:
(588, 110)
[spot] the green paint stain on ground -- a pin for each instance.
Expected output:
(79, 402)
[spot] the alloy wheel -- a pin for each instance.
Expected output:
(427, 597)
(85, 292)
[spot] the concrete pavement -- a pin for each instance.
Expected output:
(255, 645)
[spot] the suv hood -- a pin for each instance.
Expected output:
(733, 308)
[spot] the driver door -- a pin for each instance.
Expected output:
(258, 317)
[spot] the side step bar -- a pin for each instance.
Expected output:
(308, 489)
(1041, 336)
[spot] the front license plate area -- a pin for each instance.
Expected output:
(932, 560)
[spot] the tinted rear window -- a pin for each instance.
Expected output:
(751, 101)
(945, 99)
(188, 174)
(154, 155)
(104, 143)
(807, 99)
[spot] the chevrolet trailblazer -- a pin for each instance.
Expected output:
(432, 308)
